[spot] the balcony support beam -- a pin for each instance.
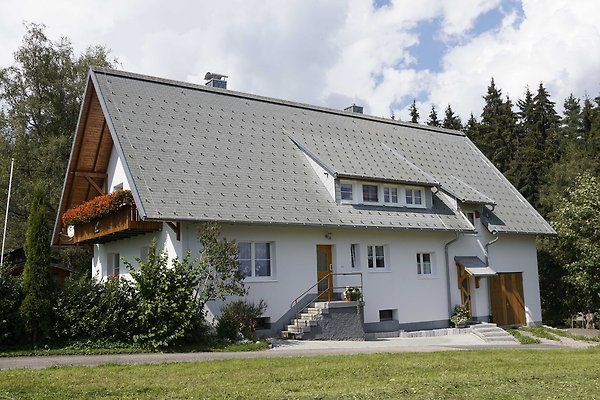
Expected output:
(176, 226)
(89, 175)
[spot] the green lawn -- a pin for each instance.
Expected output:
(478, 374)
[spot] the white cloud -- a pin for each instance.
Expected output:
(553, 44)
(337, 52)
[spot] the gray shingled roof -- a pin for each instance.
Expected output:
(198, 153)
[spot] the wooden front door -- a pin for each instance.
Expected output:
(324, 269)
(508, 305)
(464, 285)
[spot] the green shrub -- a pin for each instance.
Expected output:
(36, 308)
(11, 297)
(239, 316)
(167, 312)
(89, 310)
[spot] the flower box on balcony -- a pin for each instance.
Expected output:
(106, 218)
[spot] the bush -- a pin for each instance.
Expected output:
(167, 312)
(89, 310)
(239, 316)
(11, 297)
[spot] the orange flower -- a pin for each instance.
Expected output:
(97, 207)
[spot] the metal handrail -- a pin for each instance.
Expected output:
(295, 302)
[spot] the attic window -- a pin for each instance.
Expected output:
(118, 187)
(346, 191)
(370, 193)
(414, 196)
(390, 195)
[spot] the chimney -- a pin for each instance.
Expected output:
(216, 80)
(354, 108)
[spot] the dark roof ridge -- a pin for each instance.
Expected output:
(272, 100)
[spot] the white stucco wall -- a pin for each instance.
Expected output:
(511, 253)
(116, 172)
(398, 287)
(131, 248)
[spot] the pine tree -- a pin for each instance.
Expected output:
(36, 309)
(571, 121)
(586, 117)
(471, 129)
(497, 131)
(433, 118)
(451, 120)
(414, 113)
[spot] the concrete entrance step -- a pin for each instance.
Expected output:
(492, 333)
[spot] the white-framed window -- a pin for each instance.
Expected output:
(113, 264)
(376, 257)
(255, 259)
(470, 216)
(413, 197)
(390, 195)
(424, 266)
(346, 192)
(370, 193)
(117, 187)
(354, 256)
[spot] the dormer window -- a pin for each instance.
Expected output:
(370, 193)
(346, 191)
(382, 194)
(414, 196)
(390, 195)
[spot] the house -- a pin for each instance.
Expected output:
(316, 198)
(16, 259)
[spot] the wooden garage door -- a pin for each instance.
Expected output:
(508, 306)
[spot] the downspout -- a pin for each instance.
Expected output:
(488, 244)
(450, 308)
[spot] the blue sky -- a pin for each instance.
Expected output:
(379, 54)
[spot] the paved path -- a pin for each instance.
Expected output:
(291, 348)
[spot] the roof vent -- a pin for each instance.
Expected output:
(216, 80)
(355, 109)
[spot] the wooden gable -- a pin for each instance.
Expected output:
(86, 176)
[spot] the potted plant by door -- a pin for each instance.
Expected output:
(352, 294)
(460, 316)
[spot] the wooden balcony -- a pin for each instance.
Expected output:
(124, 223)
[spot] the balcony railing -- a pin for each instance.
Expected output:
(123, 223)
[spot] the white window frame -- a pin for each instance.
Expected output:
(253, 259)
(118, 186)
(420, 264)
(347, 201)
(113, 260)
(399, 192)
(412, 190)
(473, 222)
(362, 193)
(372, 259)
